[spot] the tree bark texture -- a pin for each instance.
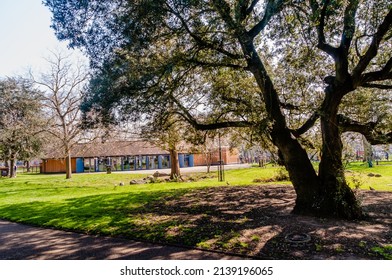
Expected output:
(322, 194)
(325, 193)
(68, 166)
(12, 167)
(174, 164)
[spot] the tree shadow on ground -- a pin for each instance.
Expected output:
(252, 221)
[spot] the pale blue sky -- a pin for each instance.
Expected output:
(25, 36)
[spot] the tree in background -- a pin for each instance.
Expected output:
(280, 68)
(207, 147)
(62, 87)
(167, 134)
(21, 121)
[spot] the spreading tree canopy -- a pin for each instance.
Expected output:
(286, 70)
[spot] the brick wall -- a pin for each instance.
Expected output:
(229, 157)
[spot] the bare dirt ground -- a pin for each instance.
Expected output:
(257, 222)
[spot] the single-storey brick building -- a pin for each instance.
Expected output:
(127, 156)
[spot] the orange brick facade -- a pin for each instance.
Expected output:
(228, 157)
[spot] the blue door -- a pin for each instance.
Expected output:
(181, 160)
(191, 161)
(79, 165)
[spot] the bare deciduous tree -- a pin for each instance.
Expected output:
(62, 87)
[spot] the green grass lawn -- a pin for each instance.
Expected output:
(378, 177)
(96, 203)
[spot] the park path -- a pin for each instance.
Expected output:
(185, 170)
(23, 242)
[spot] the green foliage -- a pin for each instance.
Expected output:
(153, 52)
(280, 174)
(288, 72)
(21, 120)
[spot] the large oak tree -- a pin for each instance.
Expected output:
(280, 68)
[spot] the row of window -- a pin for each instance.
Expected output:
(128, 163)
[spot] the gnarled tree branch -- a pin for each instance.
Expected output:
(273, 7)
(307, 125)
(381, 75)
(379, 86)
(349, 24)
(369, 130)
(322, 43)
(187, 116)
(373, 48)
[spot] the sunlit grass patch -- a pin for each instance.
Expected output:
(378, 177)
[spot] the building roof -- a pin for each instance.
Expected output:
(110, 149)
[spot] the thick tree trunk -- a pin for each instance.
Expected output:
(301, 171)
(336, 197)
(325, 194)
(68, 167)
(333, 196)
(302, 174)
(175, 166)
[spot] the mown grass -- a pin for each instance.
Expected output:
(97, 204)
(378, 177)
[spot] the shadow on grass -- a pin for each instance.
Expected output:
(253, 221)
